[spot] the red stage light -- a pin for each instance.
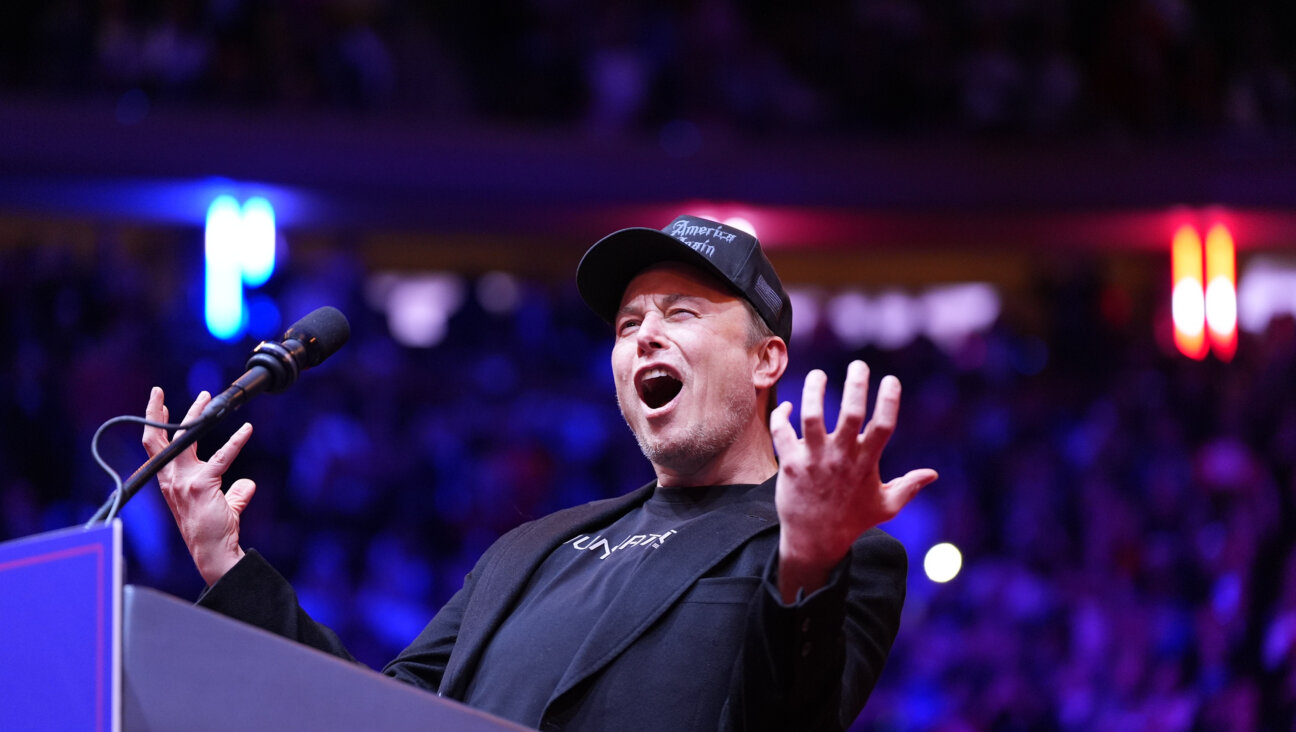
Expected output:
(1188, 299)
(1221, 292)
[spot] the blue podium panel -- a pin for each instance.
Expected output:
(60, 651)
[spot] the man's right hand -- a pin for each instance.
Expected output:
(208, 518)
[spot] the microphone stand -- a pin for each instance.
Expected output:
(272, 367)
(150, 468)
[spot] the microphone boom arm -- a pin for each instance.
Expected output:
(273, 367)
(153, 465)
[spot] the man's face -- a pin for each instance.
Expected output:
(683, 366)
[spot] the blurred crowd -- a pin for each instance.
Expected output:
(1059, 67)
(1125, 515)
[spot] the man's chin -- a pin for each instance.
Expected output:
(677, 453)
(683, 447)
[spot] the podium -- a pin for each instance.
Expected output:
(82, 651)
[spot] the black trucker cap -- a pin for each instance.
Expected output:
(731, 254)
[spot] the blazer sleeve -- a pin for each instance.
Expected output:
(811, 665)
(254, 592)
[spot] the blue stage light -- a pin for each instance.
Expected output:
(223, 303)
(240, 251)
(258, 241)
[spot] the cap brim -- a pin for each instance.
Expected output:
(607, 268)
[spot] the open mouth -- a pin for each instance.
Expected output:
(657, 387)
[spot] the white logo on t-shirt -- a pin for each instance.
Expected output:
(585, 542)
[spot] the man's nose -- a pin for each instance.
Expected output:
(652, 333)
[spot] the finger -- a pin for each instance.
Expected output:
(221, 459)
(781, 429)
(240, 494)
(156, 403)
(885, 413)
(195, 409)
(854, 404)
(812, 399)
(901, 491)
(154, 438)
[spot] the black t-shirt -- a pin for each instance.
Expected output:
(525, 660)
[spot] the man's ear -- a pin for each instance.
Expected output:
(771, 362)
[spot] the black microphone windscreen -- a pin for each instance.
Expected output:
(322, 332)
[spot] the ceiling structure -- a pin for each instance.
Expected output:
(456, 197)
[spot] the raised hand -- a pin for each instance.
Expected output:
(829, 488)
(208, 518)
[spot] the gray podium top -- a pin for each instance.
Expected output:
(185, 667)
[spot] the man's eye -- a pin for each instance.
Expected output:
(627, 326)
(679, 313)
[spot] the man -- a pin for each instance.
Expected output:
(736, 591)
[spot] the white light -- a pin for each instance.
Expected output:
(1221, 306)
(852, 317)
(1266, 289)
(900, 318)
(741, 224)
(1188, 306)
(419, 307)
(942, 562)
(956, 311)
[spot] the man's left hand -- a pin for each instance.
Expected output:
(829, 488)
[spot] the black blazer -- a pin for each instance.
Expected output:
(695, 643)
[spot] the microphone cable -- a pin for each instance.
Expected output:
(116, 499)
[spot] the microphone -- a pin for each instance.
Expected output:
(274, 365)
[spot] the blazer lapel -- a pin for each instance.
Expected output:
(508, 570)
(669, 572)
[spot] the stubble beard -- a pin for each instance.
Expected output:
(700, 442)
